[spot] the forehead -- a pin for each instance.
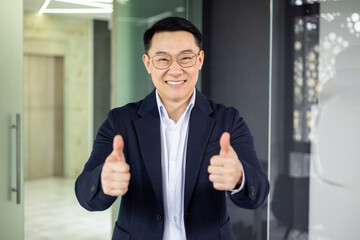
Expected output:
(173, 42)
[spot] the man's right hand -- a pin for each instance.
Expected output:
(115, 174)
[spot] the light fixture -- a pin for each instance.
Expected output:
(88, 3)
(90, 6)
(44, 6)
(78, 10)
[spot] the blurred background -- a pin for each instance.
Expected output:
(292, 68)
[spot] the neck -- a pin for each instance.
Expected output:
(175, 109)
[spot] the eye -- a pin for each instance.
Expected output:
(164, 59)
(186, 57)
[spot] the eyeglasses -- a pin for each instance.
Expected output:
(164, 61)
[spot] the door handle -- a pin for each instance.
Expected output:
(17, 126)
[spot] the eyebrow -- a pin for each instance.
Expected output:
(183, 51)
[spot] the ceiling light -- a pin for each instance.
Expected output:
(79, 10)
(87, 3)
(44, 6)
(99, 6)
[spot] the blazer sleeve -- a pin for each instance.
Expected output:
(256, 187)
(88, 188)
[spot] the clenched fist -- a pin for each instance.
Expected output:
(115, 174)
(225, 170)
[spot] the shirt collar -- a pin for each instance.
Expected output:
(162, 110)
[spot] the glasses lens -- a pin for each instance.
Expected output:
(162, 61)
(186, 59)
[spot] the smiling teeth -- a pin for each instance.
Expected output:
(175, 83)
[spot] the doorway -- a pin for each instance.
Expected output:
(58, 122)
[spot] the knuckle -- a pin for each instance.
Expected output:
(211, 177)
(123, 191)
(124, 167)
(105, 190)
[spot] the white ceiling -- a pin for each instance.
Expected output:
(35, 6)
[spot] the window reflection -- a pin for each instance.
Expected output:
(353, 24)
(306, 54)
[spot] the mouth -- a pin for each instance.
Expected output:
(175, 83)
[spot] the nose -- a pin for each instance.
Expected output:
(175, 69)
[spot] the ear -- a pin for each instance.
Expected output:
(201, 59)
(146, 62)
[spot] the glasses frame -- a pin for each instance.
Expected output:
(172, 60)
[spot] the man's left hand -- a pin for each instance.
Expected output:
(225, 169)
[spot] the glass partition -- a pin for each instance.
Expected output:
(335, 152)
(315, 120)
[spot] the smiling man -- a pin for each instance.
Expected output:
(175, 154)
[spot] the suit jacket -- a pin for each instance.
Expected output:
(141, 210)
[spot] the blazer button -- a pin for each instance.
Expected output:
(159, 217)
(252, 191)
(93, 188)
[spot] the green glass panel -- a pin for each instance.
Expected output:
(11, 104)
(131, 19)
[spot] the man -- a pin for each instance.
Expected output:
(173, 155)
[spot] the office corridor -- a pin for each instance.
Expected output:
(53, 213)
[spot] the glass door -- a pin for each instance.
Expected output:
(335, 152)
(11, 113)
(315, 120)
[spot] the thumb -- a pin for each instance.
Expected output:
(225, 143)
(118, 146)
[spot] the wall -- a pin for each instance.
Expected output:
(67, 37)
(236, 73)
(236, 68)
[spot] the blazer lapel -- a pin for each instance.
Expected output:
(200, 128)
(148, 132)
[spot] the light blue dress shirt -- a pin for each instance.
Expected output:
(174, 136)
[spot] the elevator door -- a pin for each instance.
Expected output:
(43, 114)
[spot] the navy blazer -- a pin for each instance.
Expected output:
(141, 211)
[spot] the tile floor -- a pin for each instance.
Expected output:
(52, 212)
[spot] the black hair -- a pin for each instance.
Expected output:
(171, 24)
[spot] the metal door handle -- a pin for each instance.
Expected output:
(18, 159)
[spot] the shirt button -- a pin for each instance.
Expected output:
(159, 217)
(172, 158)
(172, 189)
(174, 219)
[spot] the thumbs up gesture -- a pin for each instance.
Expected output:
(225, 170)
(115, 174)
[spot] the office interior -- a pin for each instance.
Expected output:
(292, 68)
